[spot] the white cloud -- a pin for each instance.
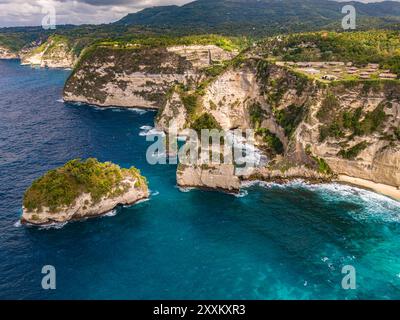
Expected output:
(24, 13)
(29, 13)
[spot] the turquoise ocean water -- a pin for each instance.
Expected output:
(272, 242)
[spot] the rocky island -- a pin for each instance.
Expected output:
(81, 189)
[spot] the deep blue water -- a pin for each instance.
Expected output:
(275, 242)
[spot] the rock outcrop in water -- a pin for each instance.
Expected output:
(217, 177)
(81, 189)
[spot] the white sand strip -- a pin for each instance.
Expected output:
(384, 189)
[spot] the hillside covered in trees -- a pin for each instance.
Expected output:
(254, 19)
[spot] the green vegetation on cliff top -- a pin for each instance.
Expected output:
(360, 48)
(62, 186)
(226, 43)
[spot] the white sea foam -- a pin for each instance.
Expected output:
(185, 189)
(111, 213)
(141, 201)
(60, 100)
(121, 109)
(112, 108)
(137, 110)
(150, 131)
(374, 205)
(155, 193)
(54, 225)
(18, 224)
(76, 103)
(79, 104)
(242, 194)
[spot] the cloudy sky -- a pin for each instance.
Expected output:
(31, 12)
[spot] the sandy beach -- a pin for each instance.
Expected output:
(384, 189)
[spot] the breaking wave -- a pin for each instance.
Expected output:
(112, 213)
(150, 131)
(374, 206)
(54, 225)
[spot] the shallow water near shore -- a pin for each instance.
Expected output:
(271, 242)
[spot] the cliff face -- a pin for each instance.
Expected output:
(324, 128)
(6, 53)
(137, 76)
(56, 52)
(353, 127)
(368, 145)
(226, 97)
(219, 177)
(306, 128)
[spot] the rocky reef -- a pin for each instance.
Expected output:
(81, 189)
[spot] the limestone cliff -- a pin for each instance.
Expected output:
(306, 128)
(138, 75)
(359, 136)
(324, 129)
(7, 53)
(227, 97)
(56, 52)
(218, 177)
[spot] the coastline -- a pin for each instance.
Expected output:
(103, 213)
(389, 191)
(107, 106)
